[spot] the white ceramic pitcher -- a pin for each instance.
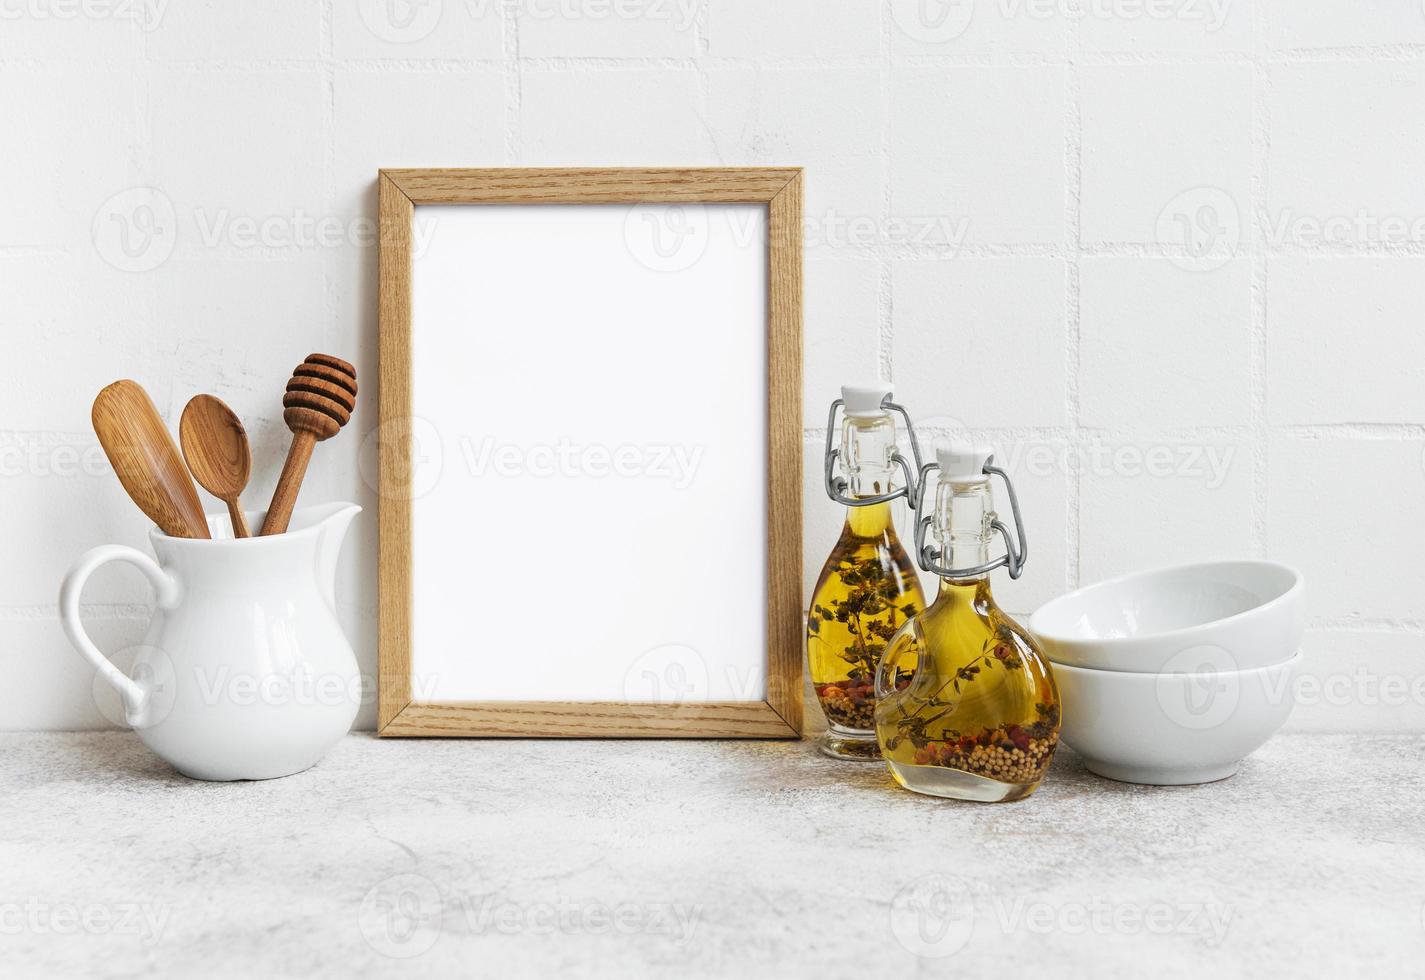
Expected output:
(244, 672)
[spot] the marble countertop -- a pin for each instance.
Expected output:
(693, 859)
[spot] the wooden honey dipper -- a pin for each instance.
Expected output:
(319, 401)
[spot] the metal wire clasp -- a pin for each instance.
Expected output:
(930, 556)
(836, 485)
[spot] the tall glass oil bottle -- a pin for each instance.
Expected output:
(966, 703)
(868, 588)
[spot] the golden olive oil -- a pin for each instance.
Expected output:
(866, 592)
(978, 719)
(967, 706)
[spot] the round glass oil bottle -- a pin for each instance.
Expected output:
(868, 588)
(966, 704)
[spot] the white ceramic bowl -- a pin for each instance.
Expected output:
(1168, 729)
(1223, 615)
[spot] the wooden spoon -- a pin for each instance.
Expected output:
(146, 460)
(319, 401)
(215, 446)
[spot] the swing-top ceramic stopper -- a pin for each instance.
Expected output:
(963, 464)
(865, 401)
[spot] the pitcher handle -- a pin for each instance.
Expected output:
(165, 588)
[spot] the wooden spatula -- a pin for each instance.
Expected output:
(215, 446)
(146, 461)
(319, 401)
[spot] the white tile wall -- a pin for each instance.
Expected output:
(406, 119)
(842, 296)
(58, 308)
(1179, 27)
(564, 112)
(210, 30)
(966, 328)
(228, 147)
(986, 30)
(808, 29)
(1151, 502)
(73, 139)
(836, 117)
(1164, 346)
(1347, 138)
(986, 145)
(1164, 256)
(1350, 513)
(1327, 24)
(1154, 131)
(1324, 364)
(59, 34)
(405, 32)
(1042, 482)
(628, 29)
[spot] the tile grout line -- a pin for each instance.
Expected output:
(701, 45)
(144, 141)
(885, 303)
(1257, 365)
(886, 252)
(1073, 326)
(1349, 55)
(330, 304)
(893, 252)
(514, 81)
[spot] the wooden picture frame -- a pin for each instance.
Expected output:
(776, 715)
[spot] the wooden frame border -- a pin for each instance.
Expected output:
(780, 715)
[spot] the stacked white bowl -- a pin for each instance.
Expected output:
(1176, 675)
